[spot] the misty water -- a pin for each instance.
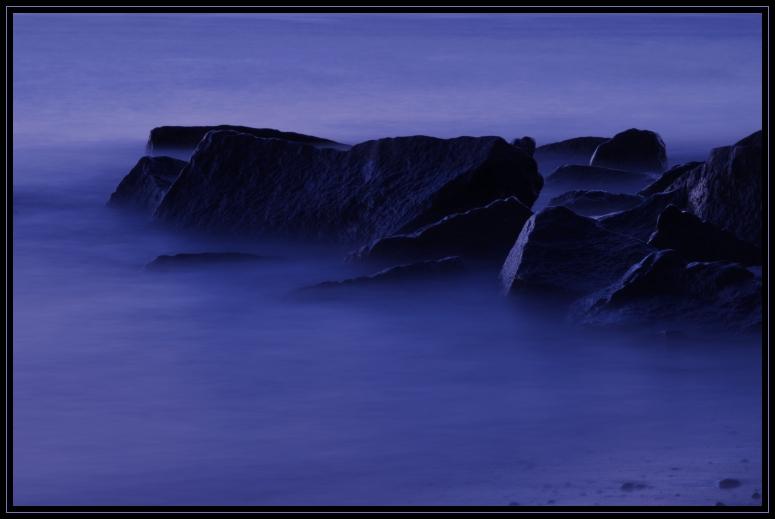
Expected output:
(228, 386)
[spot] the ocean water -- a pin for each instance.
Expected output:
(226, 386)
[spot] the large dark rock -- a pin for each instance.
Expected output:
(485, 233)
(414, 273)
(595, 203)
(664, 289)
(147, 183)
(632, 150)
(589, 177)
(571, 151)
(526, 144)
(186, 138)
(239, 183)
(203, 259)
(562, 252)
(697, 240)
(668, 178)
(641, 220)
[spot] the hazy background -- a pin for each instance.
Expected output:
(696, 79)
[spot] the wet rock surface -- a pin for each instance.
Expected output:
(668, 178)
(632, 150)
(595, 203)
(143, 188)
(641, 220)
(575, 177)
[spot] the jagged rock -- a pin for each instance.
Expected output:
(664, 289)
(239, 183)
(147, 183)
(560, 251)
(697, 240)
(485, 233)
(589, 177)
(526, 144)
(635, 150)
(186, 138)
(571, 151)
(203, 259)
(668, 178)
(424, 271)
(595, 203)
(641, 220)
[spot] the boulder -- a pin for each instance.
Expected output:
(484, 233)
(641, 220)
(146, 184)
(572, 151)
(697, 240)
(560, 251)
(243, 184)
(595, 203)
(589, 177)
(526, 144)
(665, 289)
(635, 150)
(423, 271)
(203, 259)
(186, 138)
(668, 178)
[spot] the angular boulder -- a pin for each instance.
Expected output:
(186, 138)
(423, 271)
(665, 289)
(526, 144)
(571, 151)
(697, 240)
(595, 203)
(146, 184)
(574, 177)
(484, 233)
(668, 178)
(634, 150)
(239, 183)
(560, 251)
(641, 220)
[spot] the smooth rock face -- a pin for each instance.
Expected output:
(571, 151)
(147, 183)
(562, 252)
(424, 271)
(697, 240)
(202, 259)
(485, 233)
(641, 221)
(595, 203)
(668, 178)
(664, 289)
(186, 138)
(596, 178)
(632, 150)
(239, 183)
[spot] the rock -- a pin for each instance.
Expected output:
(202, 259)
(423, 271)
(630, 486)
(729, 483)
(635, 150)
(571, 151)
(239, 183)
(641, 220)
(560, 251)
(186, 138)
(756, 495)
(526, 144)
(589, 177)
(146, 184)
(668, 178)
(595, 203)
(664, 288)
(697, 240)
(485, 233)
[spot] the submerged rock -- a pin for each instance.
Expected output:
(632, 150)
(146, 184)
(729, 483)
(485, 233)
(572, 151)
(596, 178)
(697, 240)
(560, 251)
(202, 259)
(595, 203)
(239, 183)
(186, 138)
(664, 288)
(423, 271)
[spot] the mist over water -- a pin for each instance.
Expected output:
(226, 385)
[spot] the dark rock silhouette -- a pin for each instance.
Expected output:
(665, 288)
(239, 183)
(484, 233)
(697, 240)
(596, 178)
(668, 178)
(571, 151)
(202, 259)
(423, 271)
(526, 144)
(641, 221)
(634, 150)
(186, 138)
(562, 252)
(147, 183)
(729, 483)
(595, 203)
